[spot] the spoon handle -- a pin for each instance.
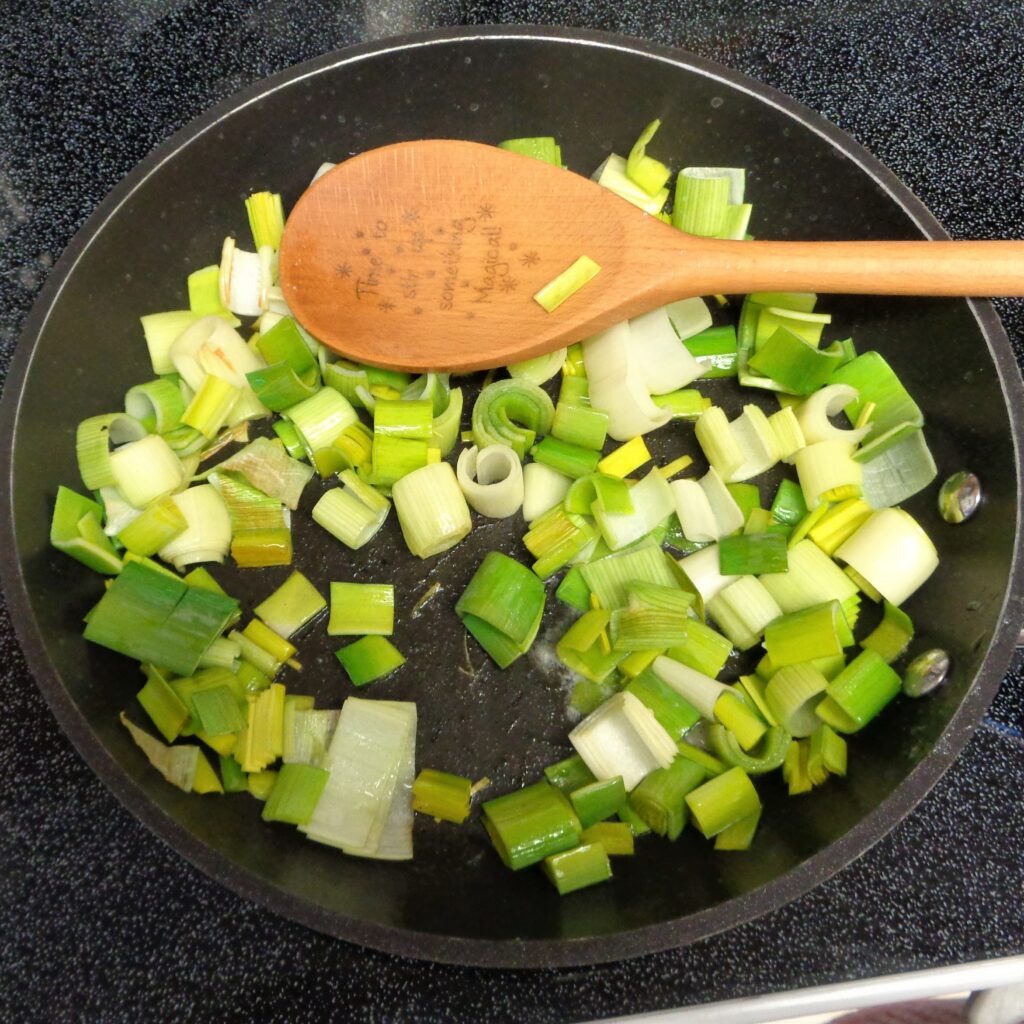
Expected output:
(870, 268)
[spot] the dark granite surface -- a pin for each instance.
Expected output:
(98, 919)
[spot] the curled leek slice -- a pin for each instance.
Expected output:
(814, 412)
(540, 369)
(93, 440)
(207, 537)
(491, 478)
(511, 412)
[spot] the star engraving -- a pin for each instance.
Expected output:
(509, 284)
(411, 216)
(418, 311)
(366, 250)
(343, 270)
(385, 305)
(529, 259)
(470, 315)
(399, 249)
(439, 230)
(360, 234)
(485, 211)
(465, 284)
(391, 270)
(512, 246)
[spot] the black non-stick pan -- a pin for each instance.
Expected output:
(82, 348)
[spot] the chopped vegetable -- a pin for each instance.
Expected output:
(442, 795)
(369, 659)
(432, 510)
(502, 607)
(530, 824)
(670, 733)
(566, 284)
(358, 608)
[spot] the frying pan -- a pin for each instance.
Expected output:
(81, 349)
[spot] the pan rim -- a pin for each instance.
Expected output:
(489, 952)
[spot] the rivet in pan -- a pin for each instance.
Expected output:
(959, 497)
(926, 672)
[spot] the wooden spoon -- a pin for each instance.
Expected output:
(425, 256)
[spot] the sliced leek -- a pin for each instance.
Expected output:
(432, 510)
(892, 553)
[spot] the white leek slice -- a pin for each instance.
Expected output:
(898, 471)
(117, 513)
(826, 466)
(813, 415)
(432, 509)
(652, 504)
(322, 170)
(586, 553)
(365, 759)
(740, 449)
(664, 362)
(728, 515)
(715, 437)
(701, 569)
(612, 176)
(269, 319)
(742, 610)
(245, 279)
(270, 469)
(308, 734)
(145, 470)
(178, 764)
(756, 439)
(616, 386)
(811, 578)
(737, 179)
(694, 687)
(694, 511)
(395, 841)
(789, 437)
(189, 468)
(276, 303)
(540, 369)
(689, 317)
(491, 478)
(892, 553)
(207, 537)
(160, 331)
(543, 488)
(211, 345)
(706, 509)
(622, 737)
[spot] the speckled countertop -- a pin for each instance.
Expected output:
(99, 920)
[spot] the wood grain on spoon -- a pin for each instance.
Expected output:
(426, 255)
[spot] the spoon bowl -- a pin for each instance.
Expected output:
(426, 256)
